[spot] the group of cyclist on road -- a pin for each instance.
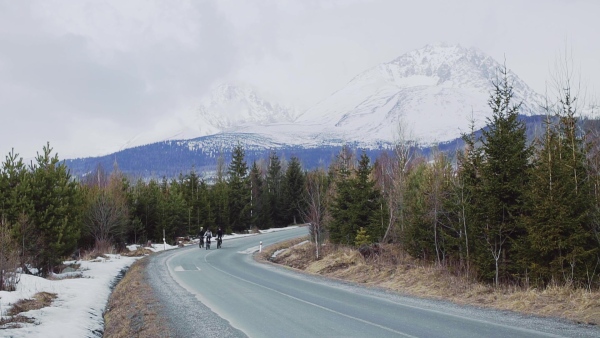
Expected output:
(208, 235)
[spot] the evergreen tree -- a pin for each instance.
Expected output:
(504, 174)
(356, 204)
(207, 211)
(148, 197)
(16, 242)
(239, 191)
(219, 196)
(417, 230)
(274, 191)
(369, 208)
(194, 192)
(258, 206)
(560, 242)
(294, 201)
(339, 228)
(13, 176)
(465, 201)
(56, 209)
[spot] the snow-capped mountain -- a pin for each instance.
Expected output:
(434, 91)
(225, 108)
(230, 106)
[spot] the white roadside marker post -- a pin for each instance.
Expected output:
(260, 247)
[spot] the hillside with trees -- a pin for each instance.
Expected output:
(506, 208)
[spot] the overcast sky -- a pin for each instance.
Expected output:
(93, 77)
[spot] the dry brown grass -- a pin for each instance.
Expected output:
(14, 322)
(91, 255)
(137, 252)
(394, 270)
(15, 318)
(132, 311)
(39, 300)
(271, 249)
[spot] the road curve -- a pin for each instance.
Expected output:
(225, 293)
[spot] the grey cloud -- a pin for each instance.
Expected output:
(53, 75)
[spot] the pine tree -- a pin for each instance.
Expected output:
(341, 203)
(362, 237)
(14, 224)
(56, 212)
(504, 175)
(560, 239)
(417, 229)
(293, 191)
(465, 199)
(239, 191)
(208, 209)
(274, 191)
(356, 204)
(259, 207)
(368, 202)
(13, 178)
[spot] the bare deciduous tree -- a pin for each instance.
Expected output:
(107, 213)
(393, 179)
(316, 208)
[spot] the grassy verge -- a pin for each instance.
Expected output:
(132, 311)
(394, 270)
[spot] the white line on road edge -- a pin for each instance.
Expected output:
(313, 304)
(249, 251)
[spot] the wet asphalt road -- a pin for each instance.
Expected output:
(225, 293)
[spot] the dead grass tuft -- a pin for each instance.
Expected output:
(91, 255)
(268, 251)
(39, 300)
(137, 252)
(14, 322)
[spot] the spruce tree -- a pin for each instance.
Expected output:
(504, 178)
(369, 208)
(239, 191)
(465, 202)
(417, 234)
(294, 201)
(274, 191)
(259, 207)
(339, 228)
(560, 237)
(357, 203)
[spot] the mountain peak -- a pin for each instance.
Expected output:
(435, 90)
(231, 105)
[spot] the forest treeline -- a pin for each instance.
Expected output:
(503, 209)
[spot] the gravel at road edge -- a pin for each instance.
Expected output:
(182, 308)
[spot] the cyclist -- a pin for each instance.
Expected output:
(208, 235)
